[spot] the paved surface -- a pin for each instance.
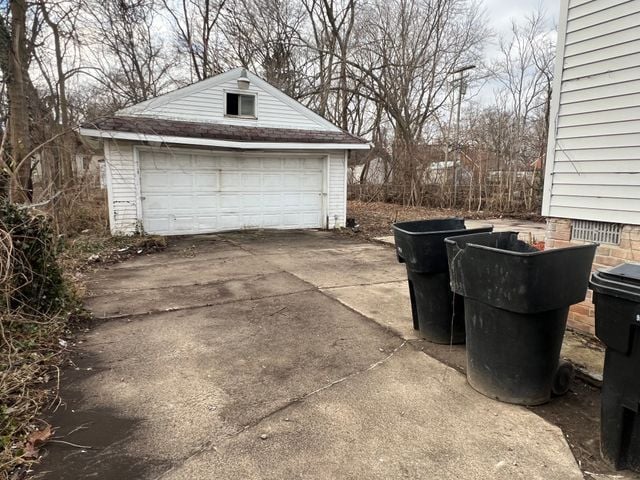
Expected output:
(278, 356)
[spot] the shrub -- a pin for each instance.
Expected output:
(30, 276)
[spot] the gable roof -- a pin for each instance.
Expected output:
(177, 131)
(163, 102)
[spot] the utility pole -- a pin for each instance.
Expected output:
(458, 156)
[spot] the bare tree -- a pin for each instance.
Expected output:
(264, 36)
(196, 24)
(129, 56)
(410, 48)
(524, 73)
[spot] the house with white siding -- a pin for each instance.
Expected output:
(230, 152)
(592, 176)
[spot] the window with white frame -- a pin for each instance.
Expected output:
(240, 105)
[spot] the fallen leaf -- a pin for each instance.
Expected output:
(35, 439)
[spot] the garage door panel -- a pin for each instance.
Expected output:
(181, 203)
(250, 200)
(206, 202)
(291, 181)
(206, 180)
(292, 164)
(272, 220)
(227, 163)
(272, 199)
(311, 200)
(312, 164)
(230, 200)
(310, 181)
(230, 181)
(203, 162)
(207, 223)
(290, 200)
(183, 223)
(181, 162)
(311, 218)
(182, 180)
(251, 180)
(154, 181)
(155, 203)
(252, 164)
(156, 225)
(185, 193)
(272, 181)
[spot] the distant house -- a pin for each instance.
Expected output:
(229, 152)
(592, 177)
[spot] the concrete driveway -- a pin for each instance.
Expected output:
(277, 356)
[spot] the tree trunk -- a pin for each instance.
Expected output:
(21, 189)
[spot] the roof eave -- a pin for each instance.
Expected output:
(210, 142)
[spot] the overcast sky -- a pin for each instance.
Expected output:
(500, 12)
(499, 16)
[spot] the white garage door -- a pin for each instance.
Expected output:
(195, 193)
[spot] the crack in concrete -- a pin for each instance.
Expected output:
(203, 305)
(110, 293)
(209, 446)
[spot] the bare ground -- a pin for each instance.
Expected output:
(375, 218)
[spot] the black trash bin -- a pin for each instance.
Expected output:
(516, 301)
(616, 295)
(420, 245)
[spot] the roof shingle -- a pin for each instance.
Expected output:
(217, 131)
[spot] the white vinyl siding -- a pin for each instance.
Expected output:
(593, 167)
(205, 102)
(123, 182)
(122, 187)
(337, 198)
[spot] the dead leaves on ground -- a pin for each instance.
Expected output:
(35, 440)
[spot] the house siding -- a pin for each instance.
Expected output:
(207, 104)
(593, 167)
(123, 186)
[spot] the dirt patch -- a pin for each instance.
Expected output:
(375, 218)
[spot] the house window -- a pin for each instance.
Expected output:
(241, 105)
(600, 232)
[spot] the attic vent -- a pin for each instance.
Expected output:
(600, 232)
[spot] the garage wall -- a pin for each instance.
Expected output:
(123, 187)
(337, 199)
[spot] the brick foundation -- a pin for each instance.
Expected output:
(558, 234)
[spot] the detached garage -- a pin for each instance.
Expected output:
(230, 152)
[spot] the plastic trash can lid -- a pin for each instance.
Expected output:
(622, 281)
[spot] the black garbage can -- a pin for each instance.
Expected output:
(516, 301)
(616, 295)
(420, 245)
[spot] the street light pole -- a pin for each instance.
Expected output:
(458, 156)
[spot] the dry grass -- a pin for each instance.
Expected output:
(375, 218)
(33, 348)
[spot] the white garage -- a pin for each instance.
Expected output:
(228, 153)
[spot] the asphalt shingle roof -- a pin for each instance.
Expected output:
(217, 131)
